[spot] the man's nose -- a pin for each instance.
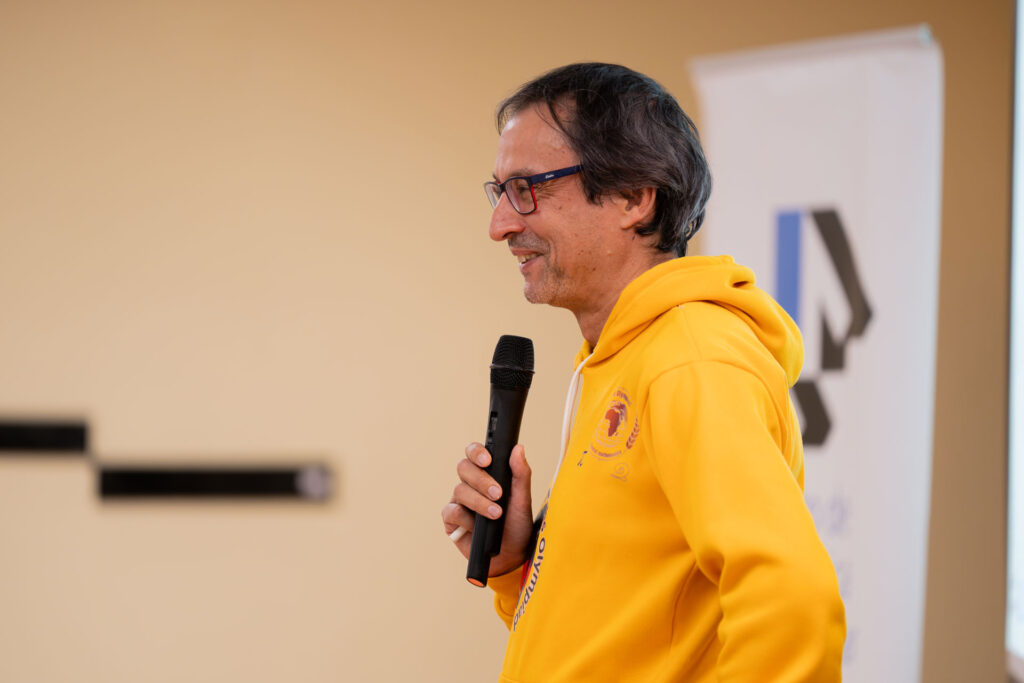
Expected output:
(505, 221)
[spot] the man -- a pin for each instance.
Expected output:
(674, 544)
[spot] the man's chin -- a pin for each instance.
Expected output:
(540, 296)
(535, 295)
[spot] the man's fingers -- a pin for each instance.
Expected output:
(458, 524)
(474, 501)
(476, 493)
(478, 479)
(456, 517)
(478, 455)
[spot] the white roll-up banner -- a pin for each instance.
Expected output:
(827, 162)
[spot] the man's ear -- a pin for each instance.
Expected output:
(638, 208)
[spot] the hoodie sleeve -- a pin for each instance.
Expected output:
(506, 594)
(719, 449)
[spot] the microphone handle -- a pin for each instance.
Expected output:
(503, 421)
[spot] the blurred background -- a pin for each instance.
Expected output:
(254, 232)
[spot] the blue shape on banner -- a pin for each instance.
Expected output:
(787, 263)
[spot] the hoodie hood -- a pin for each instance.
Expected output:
(715, 279)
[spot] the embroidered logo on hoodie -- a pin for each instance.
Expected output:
(617, 430)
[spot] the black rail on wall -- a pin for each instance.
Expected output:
(44, 437)
(48, 437)
(306, 482)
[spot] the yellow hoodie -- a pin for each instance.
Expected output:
(677, 545)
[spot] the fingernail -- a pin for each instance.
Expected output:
(494, 511)
(494, 492)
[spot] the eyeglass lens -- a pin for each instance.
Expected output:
(493, 193)
(518, 191)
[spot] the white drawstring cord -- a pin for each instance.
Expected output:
(572, 401)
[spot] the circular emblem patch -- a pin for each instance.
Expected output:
(617, 430)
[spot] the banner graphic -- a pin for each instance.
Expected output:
(827, 162)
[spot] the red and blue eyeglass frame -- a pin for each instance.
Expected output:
(531, 180)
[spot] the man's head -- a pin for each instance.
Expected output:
(628, 134)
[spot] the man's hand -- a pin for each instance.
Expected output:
(478, 492)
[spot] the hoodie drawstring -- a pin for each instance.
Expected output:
(572, 402)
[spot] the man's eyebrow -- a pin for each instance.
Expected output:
(518, 173)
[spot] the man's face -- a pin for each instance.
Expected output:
(567, 244)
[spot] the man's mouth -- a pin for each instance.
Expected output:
(526, 257)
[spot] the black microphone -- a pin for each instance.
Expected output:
(511, 375)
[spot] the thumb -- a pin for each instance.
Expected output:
(521, 475)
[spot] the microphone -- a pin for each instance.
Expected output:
(511, 375)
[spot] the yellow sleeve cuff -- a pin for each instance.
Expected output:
(506, 593)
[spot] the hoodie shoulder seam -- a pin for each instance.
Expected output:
(688, 328)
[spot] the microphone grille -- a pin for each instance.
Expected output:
(512, 365)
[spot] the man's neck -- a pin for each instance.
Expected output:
(591, 321)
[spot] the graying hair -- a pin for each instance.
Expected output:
(629, 134)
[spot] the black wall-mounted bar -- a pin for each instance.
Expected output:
(59, 437)
(307, 482)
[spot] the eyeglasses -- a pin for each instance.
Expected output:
(519, 189)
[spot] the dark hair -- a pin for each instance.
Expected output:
(629, 133)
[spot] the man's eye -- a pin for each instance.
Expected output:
(521, 189)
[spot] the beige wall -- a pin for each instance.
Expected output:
(256, 229)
